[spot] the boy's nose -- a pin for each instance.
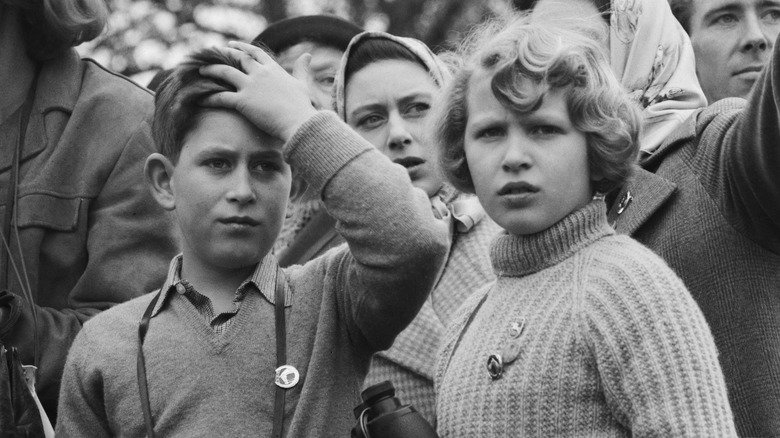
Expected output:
(242, 190)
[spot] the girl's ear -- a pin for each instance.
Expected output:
(158, 172)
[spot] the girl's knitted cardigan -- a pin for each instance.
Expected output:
(597, 337)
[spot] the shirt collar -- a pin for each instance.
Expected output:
(462, 209)
(263, 278)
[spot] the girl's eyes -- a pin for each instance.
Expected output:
(490, 132)
(545, 130)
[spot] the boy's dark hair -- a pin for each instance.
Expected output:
(370, 50)
(177, 106)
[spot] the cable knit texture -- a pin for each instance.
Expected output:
(612, 345)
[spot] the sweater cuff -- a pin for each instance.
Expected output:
(321, 147)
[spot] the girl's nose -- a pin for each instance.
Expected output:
(517, 156)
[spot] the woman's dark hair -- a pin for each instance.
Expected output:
(51, 26)
(370, 50)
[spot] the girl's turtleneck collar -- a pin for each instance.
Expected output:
(516, 256)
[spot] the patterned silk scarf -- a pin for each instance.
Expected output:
(652, 57)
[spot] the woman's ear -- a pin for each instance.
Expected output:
(158, 172)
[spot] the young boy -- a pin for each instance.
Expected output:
(212, 341)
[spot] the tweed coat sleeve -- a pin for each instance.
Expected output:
(90, 233)
(738, 157)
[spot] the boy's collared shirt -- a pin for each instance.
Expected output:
(262, 280)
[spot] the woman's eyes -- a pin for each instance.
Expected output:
(418, 109)
(370, 121)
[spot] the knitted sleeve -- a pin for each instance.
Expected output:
(81, 411)
(396, 245)
(652, 348)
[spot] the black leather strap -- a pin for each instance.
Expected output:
(143, 389)
(281, 357)
(11, 216)
(281, 351)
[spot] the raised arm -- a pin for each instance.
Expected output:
(738, 157)
(396, 244)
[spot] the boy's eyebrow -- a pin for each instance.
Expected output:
(217, 149)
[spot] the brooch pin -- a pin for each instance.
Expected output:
(287, 376)
(509, 352)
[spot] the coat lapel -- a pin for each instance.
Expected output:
(638, 200)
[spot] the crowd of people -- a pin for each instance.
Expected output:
(569, 226)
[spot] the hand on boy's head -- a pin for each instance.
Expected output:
(266, 94)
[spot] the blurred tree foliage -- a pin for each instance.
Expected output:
(144, 36)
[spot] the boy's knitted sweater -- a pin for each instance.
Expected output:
(598, 338)
(341, 308)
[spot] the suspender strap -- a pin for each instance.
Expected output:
(281, 357)
(11, 215)
(13, 179)
(143, 389)
(281, 350)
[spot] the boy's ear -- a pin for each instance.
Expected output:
(158, 171)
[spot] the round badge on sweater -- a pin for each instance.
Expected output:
(287, 376)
